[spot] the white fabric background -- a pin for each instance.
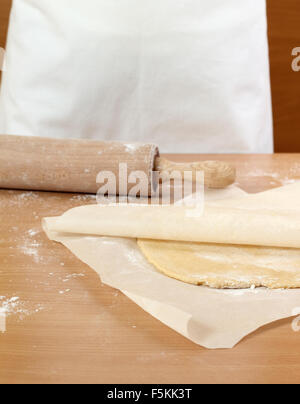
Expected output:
(189, 75)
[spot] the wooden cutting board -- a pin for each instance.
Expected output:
(64, 326)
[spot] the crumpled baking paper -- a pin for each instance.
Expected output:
(208, 317)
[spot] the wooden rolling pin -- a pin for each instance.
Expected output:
(33, 163)
(217, 174)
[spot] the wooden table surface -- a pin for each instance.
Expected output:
(64, 326)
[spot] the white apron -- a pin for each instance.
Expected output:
(189, 75)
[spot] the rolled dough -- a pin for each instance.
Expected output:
(238, 266)
(270, 219)
(236, 243)
(224, 266)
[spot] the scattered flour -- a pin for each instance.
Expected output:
(9, 305)
(62, 292)
(82, 198)
(28, 195)
(33, 232)
(29, 245)
(277, 178)
(132, 148)
(31, 249)
(73, 276)
(13, 305)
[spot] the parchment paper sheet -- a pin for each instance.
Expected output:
(211, 318)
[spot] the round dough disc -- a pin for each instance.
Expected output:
(223, 266)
